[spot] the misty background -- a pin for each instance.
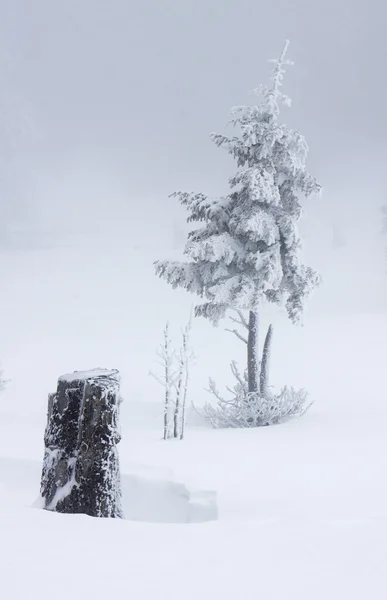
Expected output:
(106, 108)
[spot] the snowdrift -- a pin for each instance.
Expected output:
(149, 495)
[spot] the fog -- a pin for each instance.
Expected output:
(106, 108)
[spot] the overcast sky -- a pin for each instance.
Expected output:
(107, 108)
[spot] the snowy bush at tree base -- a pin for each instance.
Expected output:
(255, 410)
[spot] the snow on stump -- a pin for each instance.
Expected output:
(81, 466)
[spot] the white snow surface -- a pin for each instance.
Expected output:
(91, 374)
(302, 507)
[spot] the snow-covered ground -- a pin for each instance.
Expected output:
(302, 514)
(301, 507)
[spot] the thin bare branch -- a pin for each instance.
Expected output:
(159, 379)
(239, 335)
(243, 319)
(237, 375)
(212, 389)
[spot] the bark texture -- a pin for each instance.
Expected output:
(81, 465)
(253, 353)
(265, 364)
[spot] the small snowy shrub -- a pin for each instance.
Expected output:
(246, 409)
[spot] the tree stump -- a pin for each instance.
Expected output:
(81, 466)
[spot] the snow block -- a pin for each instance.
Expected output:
(202, 506)
(154, 496)
(81, 466)
(154, 501)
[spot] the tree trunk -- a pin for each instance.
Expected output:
(81, 466)
(167, 375)
(253, 353)
(179, 392)
(265, 364)
(186, 378)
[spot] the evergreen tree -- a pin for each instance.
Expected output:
(247, 249)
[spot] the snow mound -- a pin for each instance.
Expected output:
(163, 500)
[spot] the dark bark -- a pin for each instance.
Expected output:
(253, 353)
(81, 466)
(265, 364)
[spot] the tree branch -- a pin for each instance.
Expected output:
(242, 318)
(239, 335)
(237, 375)
(241, 321)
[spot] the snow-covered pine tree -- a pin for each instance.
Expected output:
(248, 248)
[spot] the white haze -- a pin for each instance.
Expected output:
(107, 108)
